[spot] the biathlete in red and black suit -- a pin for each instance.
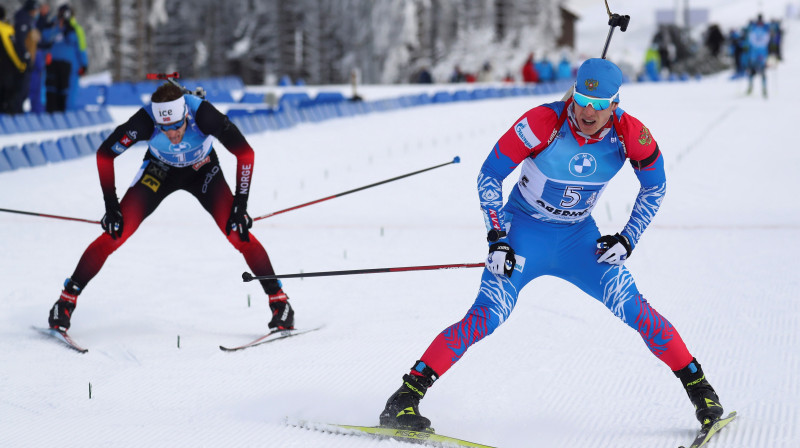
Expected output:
(179, 129)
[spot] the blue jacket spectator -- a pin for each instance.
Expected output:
(36, 94)
(547, 72)
(758, 38)
(564, 69)
(69, 61)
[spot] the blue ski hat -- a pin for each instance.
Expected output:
(599, 78)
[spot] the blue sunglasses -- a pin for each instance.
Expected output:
(171, 127)
(596, 103)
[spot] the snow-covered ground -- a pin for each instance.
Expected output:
(719, 261)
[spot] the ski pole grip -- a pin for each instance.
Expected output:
(620, 21)
(247, 277)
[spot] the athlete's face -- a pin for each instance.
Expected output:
(589, 120)
(175, 136)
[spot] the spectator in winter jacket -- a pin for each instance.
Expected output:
(547, 72)
(69, 60)
(529, 73)
(11, 65)
(36, 94)
(564, 69)
(714, 39)
(26, 38)
(758, 37)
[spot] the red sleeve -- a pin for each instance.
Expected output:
(639, 143)
(529, 135)
(105, 167)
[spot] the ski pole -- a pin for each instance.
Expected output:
(45, 215)
(248, 277)
(455, 160)
(614, 20)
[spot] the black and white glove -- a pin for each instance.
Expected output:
(112, 220)
(613, 249)
(501, 259)
(239, 221)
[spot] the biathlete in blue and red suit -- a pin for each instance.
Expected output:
(569, 151)
(179, 129)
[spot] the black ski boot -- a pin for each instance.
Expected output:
(282, 312)
(402, 408)
(707, 407)
(61, 312)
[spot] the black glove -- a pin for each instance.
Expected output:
(239, 221)
(501, 259)
(613, 249)
(112, 220)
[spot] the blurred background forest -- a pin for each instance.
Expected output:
(317, 41)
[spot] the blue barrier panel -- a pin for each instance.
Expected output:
(59, 120)
(16, 157)
(71, 117)
(67, 147)
(292, 99)
(9, 125)
(424, 98)
(5, 165)
(478, 94)
(345, 109)
(274, 124)
(122, 94)
(253, 98)
(47, 122)
(33, 151)
(146, 87)
(329, 97)
(231, 83)
(82, 144)
(105, 115)
(92, 117)
(22, 123)
(244, 124)
(261, 121)
(33, 122)
(90, 95)
(50, 151)
(219, 96)
(280, 118)
(95, 139)
(461, 95)
(233, 113)
(442, 97)
(84, 118)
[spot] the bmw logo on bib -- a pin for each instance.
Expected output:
(582, 165)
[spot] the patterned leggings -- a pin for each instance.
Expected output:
(567, 252)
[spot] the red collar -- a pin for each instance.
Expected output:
(582, 138)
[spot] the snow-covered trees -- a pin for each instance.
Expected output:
(319, 41)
